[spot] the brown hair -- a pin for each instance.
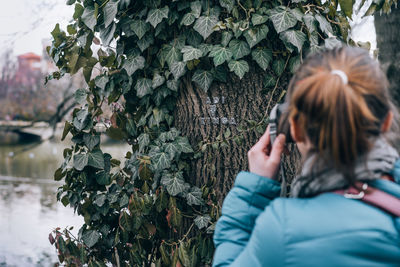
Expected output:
(340, 119)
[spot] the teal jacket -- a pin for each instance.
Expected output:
(257, 228)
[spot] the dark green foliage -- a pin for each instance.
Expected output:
(134, 213)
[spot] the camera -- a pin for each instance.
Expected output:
(279, 122)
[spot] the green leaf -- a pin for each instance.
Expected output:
(278, 66)
(324, 24)
(172, 149)
(78, 11)
(67, 127)
(101, 81)
(103, 178)
(310, 22)
(188, 19)
(293, 37)
(269, 81)
(203, 78)
(143, 141)
(205, 25)
(194, 197)
(183, 255)
(158, 80)
(173, 85)
(226, 36)
(196, 8)
(282, 18)
(175, 184)
(255, 35)
(178, 69)
(332, 42)
(183, 144)
(90, 238)
(96, 159)
(263, 57)
(297, 13)
(220, 54)
(132, 64)
(258, 19)
(131, 127)
(155, 16)
(91, 140)
(190, 53)
(238, 67)
(294, 64)
(160, 160)
(239, 48)
(171, 54)
(89, 18)
(228, 4)
(100, 200)
(80, 96)
(80, 161)
(202, 221)
(145, 42)
(110, 12)
(347, 7)
(143, 87)
(139, 27)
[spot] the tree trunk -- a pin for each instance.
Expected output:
(388, 42)
(203, 116)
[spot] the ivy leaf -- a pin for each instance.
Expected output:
(278, 66)
(110, 12)
(88, 17)
(107, 34)
(160, 160)
(205, 25)
(263, 57)
(90, 238)
(139, 27)
(258, 19)
(172, 54)
(226, 36)
(188, 19)
(294, 64)
(132, 64)
(158, 80)
(269, 81)
(296, 38)
(143, 87)
(255, 35)
(173, 85)
(203, 78)
(190, 53)
(332, 42)
(239, 48)
(194, 197)
(155, 16)
(101, 81)
(183, 144)
(91, 140)
(143, 141)
(80, 161)
(80, 96)
(172, 149)
(96, 159)
(202, 221)
(282, 18)
(196, 8)
(238, 67)
(178, 69)
(310, 22)
(297, 13)
(228, 4)
(175, 184)
(220, 54)
(324, 24)
(145, 42)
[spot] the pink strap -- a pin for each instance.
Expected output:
(373, 196)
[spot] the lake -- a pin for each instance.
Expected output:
(28, 207)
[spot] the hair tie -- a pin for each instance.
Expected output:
(341, 74)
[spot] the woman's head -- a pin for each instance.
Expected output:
(339, 102)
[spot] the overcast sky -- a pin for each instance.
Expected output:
(25, 23)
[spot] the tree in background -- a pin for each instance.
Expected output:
(191, 84)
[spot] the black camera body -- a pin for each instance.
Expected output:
(279, 122)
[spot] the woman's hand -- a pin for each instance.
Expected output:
(264, 159)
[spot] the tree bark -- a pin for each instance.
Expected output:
(388, 42)
(203, 116)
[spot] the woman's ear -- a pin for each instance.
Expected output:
(296, 131)
(387, 123)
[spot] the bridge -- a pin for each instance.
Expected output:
(26, 129)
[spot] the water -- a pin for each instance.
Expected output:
(28, 207)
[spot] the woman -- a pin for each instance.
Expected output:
(339, 112)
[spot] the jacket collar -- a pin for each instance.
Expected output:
(390, 187)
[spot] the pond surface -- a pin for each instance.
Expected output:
(28, 207)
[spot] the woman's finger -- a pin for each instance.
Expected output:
(263, 142)
(277, 149)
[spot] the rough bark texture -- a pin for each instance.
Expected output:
(388, 41)
(202, 116)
